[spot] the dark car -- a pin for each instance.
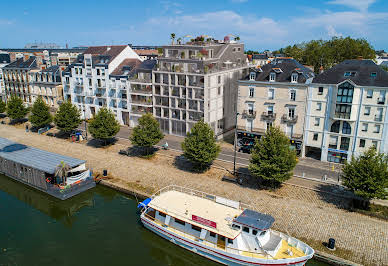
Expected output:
(246, 148)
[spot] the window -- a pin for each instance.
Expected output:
(315, 136)
(90, 82)
(291, 112)
(251, 92)
(344, 143)
(76, 71)
(381, 99)
(335, 127)
(271, 94)
(320, 90)
(292, 95)
(252, 76)
(98, 71)
(219, 79)
(180, 222)
(162, 214)
(345, 93)
(367, 111)
(269, 125)
(196, 228)
(254, 232)
(362, 143)
(246, 229)
(230, 241)
(346, 129)
(294, 77)
(263, 233)
(272, 76)
(319, 106)
(350, 74)
(212, 234)
(219, 90)
(369, 93)
(270, 109)
(377, 129)
(235, 226)
(374, 143)
(364, 127)
(317, 120)
(373, 74)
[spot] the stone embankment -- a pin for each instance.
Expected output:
(306, 214)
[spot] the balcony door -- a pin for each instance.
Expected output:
(289, 130)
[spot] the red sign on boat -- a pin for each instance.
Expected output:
(204, 221)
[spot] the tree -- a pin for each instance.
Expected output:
(172, 36)
(147, 133)
(40, 114)
(200, 146)
(384, 67)
(61, 172)
(16, 109)
(367, 175)
(104, 125)
(3, 106)
(272, 159)
(68, 117)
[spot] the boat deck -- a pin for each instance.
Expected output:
(183, 206)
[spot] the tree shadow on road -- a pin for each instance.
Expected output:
(97, 143)
(184, 164)
(136, 151)
(337, 196)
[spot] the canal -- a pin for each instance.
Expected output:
(97, 227)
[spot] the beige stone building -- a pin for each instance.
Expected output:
(47, 84)
(273, 95)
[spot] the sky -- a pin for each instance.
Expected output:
(259, 24)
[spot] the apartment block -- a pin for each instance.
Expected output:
(47, 84)
(198, 80)
(273, 95)
(4, 60)
(347, 111)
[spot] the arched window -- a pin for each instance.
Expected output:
(346, 129)
(335, 127)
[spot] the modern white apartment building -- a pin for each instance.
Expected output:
(198, 80)
(347, 111)
(100, 78)
(47, 84)
(4, 60)
(273, 95)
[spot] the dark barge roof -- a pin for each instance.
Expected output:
(35, 158)
(255, 219)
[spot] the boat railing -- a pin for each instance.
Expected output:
(201, 194)
(77, 178)
(236, 251)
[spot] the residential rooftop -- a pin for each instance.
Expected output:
(21, 63)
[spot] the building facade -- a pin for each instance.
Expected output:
(4, 60)
(17, 79)
(347, 111)
(100, 78)
(273, 95)
(198, 80)
(47, 84)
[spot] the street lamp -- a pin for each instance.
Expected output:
(235, 147)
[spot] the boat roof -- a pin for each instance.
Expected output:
(183, 206)
(255, 219)
(35, 158)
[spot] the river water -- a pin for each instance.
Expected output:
(97, 227)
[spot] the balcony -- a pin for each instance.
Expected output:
(342, 115)
(291, 120)
(100, 93)
(378, 118)
(269, 116)
(140, 110)
(195, 116)
(141, 101)
(249, 114)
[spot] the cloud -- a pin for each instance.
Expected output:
(361, 5)
(6, 22)
(331, 32)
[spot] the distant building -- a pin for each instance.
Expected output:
(261, 59)
(273, 95)
(347, 111)
(47, 84)
(147, 54)
(381, 59)
(42, 46)
(198, 80)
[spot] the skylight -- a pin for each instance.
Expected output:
(373, 74)
(350, 74)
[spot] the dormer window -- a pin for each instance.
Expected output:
(272, 76)
(252, 76)
(350, 74)
(294, 77)
(373, 74)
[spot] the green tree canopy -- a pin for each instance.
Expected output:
(367, 175)
(147, 133)
(40, 114)
(16, 109)
(272, 159)
(3, 106)
(327, 53)
(104, 125)
(68, 117)
(200, 146)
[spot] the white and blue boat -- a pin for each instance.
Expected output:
(226, 231)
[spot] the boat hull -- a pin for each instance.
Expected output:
(210, 253)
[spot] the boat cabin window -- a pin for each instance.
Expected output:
(180, 221)
(263, 233)
(212, 234)
(254, 232)
(246, 229)
(196, 228)
(230, 241)
(162, 214)
(235, 226)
